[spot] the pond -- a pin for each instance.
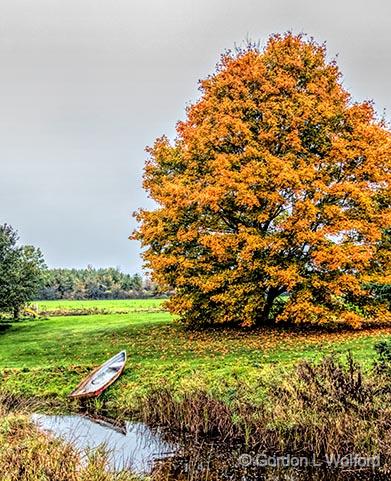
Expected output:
(143, 450)
(129, 445)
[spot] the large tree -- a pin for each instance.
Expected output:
(21, 272)
(277, 184)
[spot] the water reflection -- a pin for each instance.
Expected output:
(135, 446)
(215, 463)
(130, 445)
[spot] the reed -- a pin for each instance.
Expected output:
(328, 408)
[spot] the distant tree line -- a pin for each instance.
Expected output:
(94, 283)
(24, 277)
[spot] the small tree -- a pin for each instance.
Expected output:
(276, 184)
(21, 272)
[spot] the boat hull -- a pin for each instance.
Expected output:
(101, 378)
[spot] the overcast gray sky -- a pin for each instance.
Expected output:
(85, 85)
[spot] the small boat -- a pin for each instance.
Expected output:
(101, 378)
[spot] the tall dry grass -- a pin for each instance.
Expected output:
(322, 409)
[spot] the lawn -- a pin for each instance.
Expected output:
(47, 357)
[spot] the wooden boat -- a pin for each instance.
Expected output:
(101, 378)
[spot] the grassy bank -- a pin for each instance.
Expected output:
(47, 357)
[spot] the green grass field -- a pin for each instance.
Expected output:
(48, 357)
(128, 305)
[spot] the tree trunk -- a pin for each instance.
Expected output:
(16, 313)
(264, 317)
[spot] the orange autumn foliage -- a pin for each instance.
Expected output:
(276, 184)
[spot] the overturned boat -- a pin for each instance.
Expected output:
(101, 378)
